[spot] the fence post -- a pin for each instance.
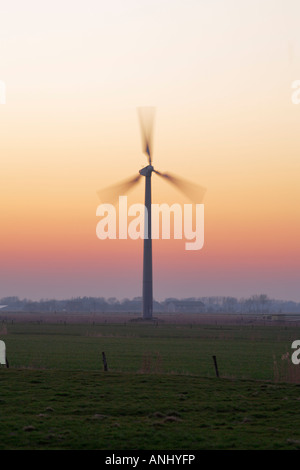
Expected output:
(104, 361)
(216, 366)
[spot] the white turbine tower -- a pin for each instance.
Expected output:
(146, 116)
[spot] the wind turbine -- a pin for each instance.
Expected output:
(192, 191)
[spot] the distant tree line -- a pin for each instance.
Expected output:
(214, 304)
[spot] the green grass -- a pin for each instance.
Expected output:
(160, 391)
(90, 410)
(242, 351)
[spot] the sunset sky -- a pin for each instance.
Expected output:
(219, 73)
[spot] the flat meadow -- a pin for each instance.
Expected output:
(160, 391)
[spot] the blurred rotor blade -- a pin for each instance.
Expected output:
(146, 117)
(194, 192)
(112, 193)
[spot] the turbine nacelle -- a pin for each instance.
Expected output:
(147, 170)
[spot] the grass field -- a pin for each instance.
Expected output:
(161, 390)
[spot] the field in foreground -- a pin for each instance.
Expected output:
(88, 410)
(160, 392)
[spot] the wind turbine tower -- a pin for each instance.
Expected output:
(192, 191)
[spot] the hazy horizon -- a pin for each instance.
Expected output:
(139, 297)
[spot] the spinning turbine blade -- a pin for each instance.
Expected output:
(146, 116)
(194, 192)
(112, 193)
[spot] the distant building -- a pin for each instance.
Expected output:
(184, 306)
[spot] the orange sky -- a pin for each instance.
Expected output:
(219, 75)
